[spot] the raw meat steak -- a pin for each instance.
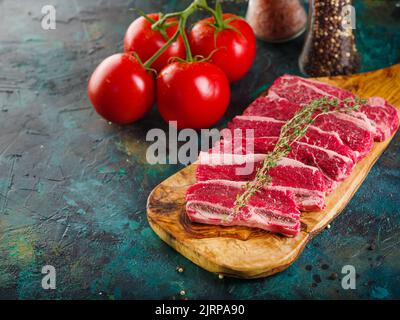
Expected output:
(380, 114)
(302, 91)
(261, 126)
(272, 106)
(331, 164)
(351, 130)
(356, 132)
(213, 202)
(328, 140)
(307, 183)
(383, 116)
(269, 127)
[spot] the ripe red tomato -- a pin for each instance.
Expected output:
(237, 48)
(141, 39)
(121, 90)
(195, 94)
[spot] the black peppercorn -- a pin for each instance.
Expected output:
(330, 47)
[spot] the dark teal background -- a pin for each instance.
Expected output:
(73, 188)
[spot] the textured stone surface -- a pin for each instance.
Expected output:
(73, 188)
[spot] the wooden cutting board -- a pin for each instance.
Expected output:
(253, 253)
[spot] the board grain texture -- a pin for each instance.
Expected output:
(253, 253)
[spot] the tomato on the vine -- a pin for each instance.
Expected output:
(195, 94)
(145, 42)
(121, 89)
(232, 46)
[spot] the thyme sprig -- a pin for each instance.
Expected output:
(292, 131)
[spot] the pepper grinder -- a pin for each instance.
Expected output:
(330, 46)
(276, 20)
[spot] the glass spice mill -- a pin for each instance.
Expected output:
(276, 20)
(330, 46)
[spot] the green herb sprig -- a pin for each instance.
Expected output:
(292, 131)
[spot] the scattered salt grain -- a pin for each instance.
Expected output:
(179, 269)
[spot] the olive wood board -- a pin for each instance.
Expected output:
(250, 252)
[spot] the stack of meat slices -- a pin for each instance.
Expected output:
(317, 163)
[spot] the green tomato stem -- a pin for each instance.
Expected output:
(182, 30)
(149, 62)
(160, 22)
(183, 17)
(218, 16)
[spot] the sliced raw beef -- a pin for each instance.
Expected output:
(235, 167)
(356, 132)
(320, 160)
(351, 130)
(328, 140)
(268, 127)
(311, 90)
(331, 164)
(380, 114)
(307, 182)
(261, 126)
(306, 200)
(279, 108)
(272, 106)
(383, 116)
(302, 91)
(213, 202)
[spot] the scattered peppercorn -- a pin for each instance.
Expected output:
(317, 278)
(333, 276)
(325, 266)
